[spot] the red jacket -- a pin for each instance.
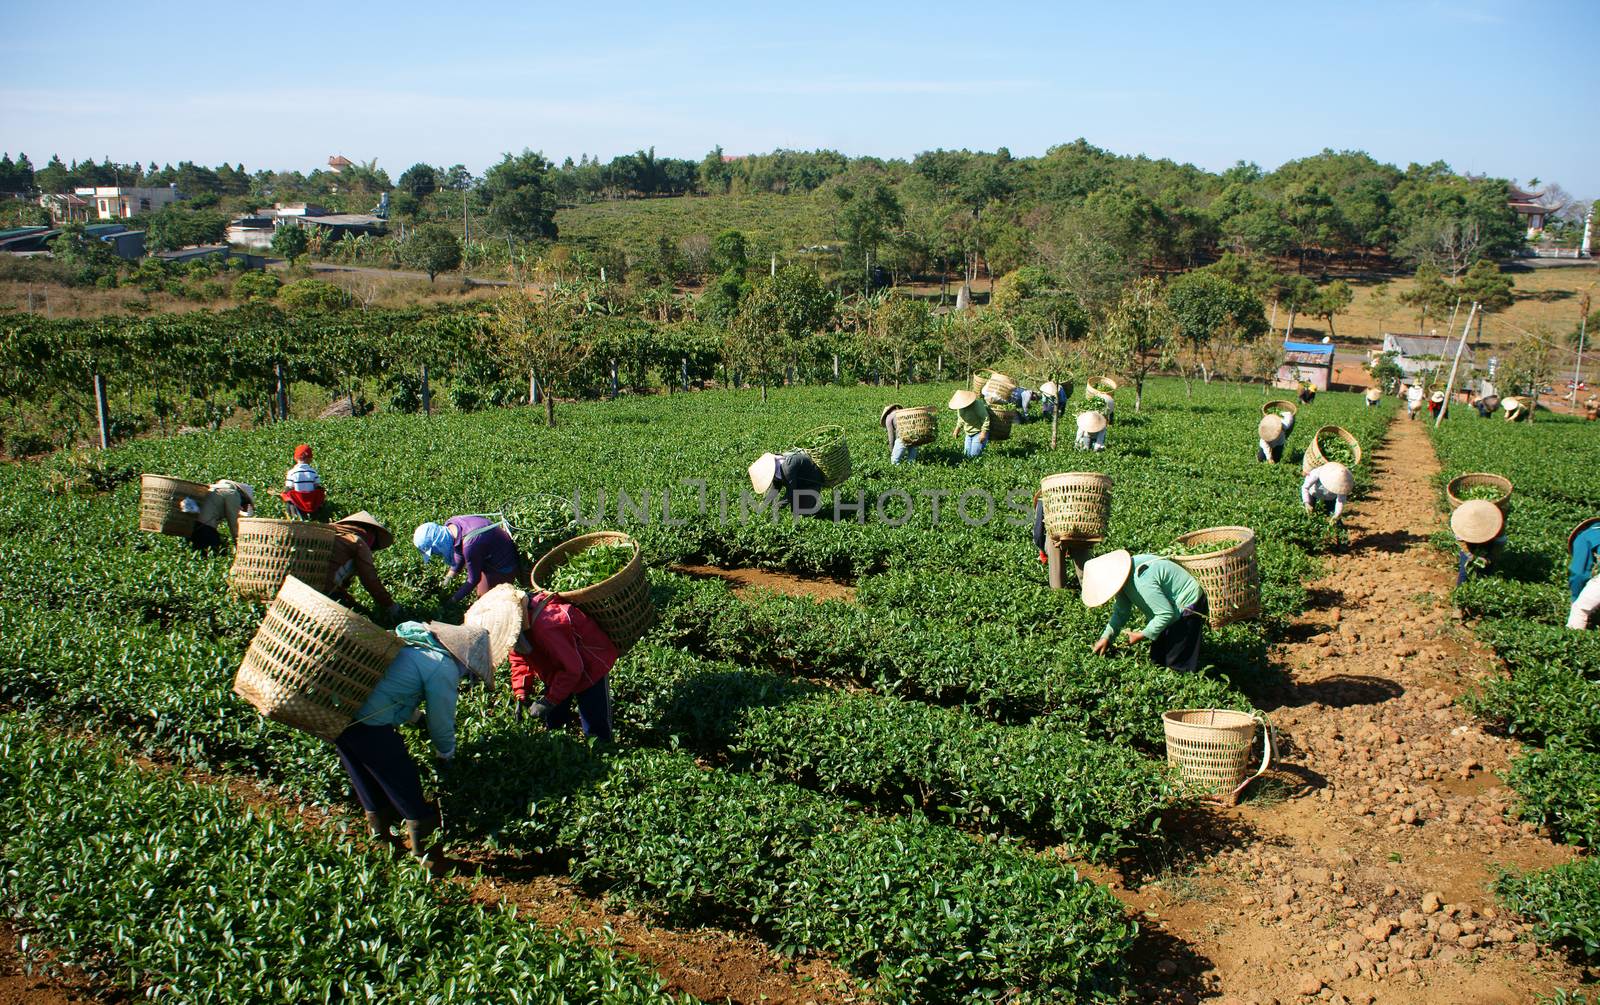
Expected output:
(570, 652)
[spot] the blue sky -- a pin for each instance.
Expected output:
(1497, 88)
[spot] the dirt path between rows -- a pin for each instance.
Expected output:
(743, 579)
(1358, 871)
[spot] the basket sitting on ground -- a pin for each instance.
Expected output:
(1461, 489)
(832, 457)
(1315, 456)
(160, 499)
(1102, 387)
(268, 551)
(998, 387)
(1000, 420)
(1210, 747)
(916, 427)
(1278, 405)
(620, 604)
(313, 663)
(1228, 574)
(1077, 505)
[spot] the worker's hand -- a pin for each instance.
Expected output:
(1134, 637)
(1101, 646)
(1309, 509)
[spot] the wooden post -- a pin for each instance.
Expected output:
(836, 368)
(427, 399)
(613, 380)
(283, 392)
(102, 411)
(1450, 384)
(533, 388)
(1055, 417)
(683, 371)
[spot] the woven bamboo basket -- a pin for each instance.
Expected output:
(1000, 419)
(1229, 575)
(1102, 387)
(1077, 505)
(832, 460)
(1476, 480)
(313, 664)
(916, 427)
(1210, 747)
(620, 605)
(998, 387)
(1314, 457)
(980, 378)
(159, 500)
(1278, 405)
(269, 551)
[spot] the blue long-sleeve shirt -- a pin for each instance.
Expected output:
(1581, 568)
(417, 677)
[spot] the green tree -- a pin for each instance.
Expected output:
(309, 295)
(521, 203)
(1295, 294)
(1334, 298)
(895, 328)
(1487, 286)
(257, 284)
(290, 241)
(540, 337)
(1205, 307)
(1429, 294)
(868, 212)
(433, 248)
(172, 227)
(419, 180)
(756, 344)
(1138, 336)
(728, 252)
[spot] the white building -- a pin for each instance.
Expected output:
(113, 202)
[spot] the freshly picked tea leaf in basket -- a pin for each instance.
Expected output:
(1336, 450)
(1489, 492)
(594, 564)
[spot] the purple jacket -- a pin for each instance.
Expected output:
(492, 550)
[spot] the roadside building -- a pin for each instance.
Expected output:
(114, 202)
(1414, 354)
(254, 231)
(65, 207)
(1308, 363)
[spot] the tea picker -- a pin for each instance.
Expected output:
(1583, 547)
(972, 422)
(1435, 403)
(1413, 401)
(481, 545)
(1479, 527)
(1272, 434)
(792, 480)
(1174, 605)
(1327, 487)
(553, 643)
(303, 495)
(1091, 431)
(226, 501)
(1515, 410)
(898, 449)
(1374, 395)
(356, 537)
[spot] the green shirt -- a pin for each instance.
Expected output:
(973, 420)
(1157, 586)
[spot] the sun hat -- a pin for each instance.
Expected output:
(1338, 479)
(1436, 397)
(469, 644)
(1091, 421)
(886, 410)
(1579, 529)
(962, 399)
(1049, 389)
(1510, 404)
(381, 535)
(1477, 521)
(500, 612)
(1104, 575)
(1373, 394)
(302, 453)
(432, 540)
(1270, 428)
(762, 473)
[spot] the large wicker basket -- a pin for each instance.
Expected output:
(269, 551)
(1479, 479)
(313, 664)
(1229, 575)
(1210, 747)
(1000, 419)
(160, 499)
(1102, 387)
(1314, 457)
(620, 605)
(833, 460)
(1077, 505)
(998, 387)
(980, 378)
(916, 427)
(1278, 405)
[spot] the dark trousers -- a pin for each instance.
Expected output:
(205, 539)
(1178, 645)
(1468, 564)
(382, 771)
(594, 711)
(1277, 452)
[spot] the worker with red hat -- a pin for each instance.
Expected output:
(303, 496)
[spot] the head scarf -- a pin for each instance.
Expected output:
(433, 539)
(302, 453)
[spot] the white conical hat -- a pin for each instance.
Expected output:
(962, 399)
(1338, 479)
(1270, 428)
(1477, 521)
(498, 612)
(1373, 394)
(762, 472)
(1104, 575)
(1436, 397)
(1510, 404)
(1091, 421)
(1049, 389)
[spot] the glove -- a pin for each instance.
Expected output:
(1044, 559)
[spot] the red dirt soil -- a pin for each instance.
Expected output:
(17, 987)
(778, 582)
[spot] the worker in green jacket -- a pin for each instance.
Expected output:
(972, 421)
(1174, 605)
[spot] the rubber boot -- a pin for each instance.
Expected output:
(418, 834)
(381, 824)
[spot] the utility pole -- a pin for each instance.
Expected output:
(466, 226)
(1577, 363)
(1451, 383)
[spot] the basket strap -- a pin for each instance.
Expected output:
(501, 522)
(1266, 756)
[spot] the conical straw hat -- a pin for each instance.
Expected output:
(1510, 404)
(1091, 421)
(1579, 529)
(886, 410)
(761, 473)
(1104, 575)
(1049, 389)
(1477, 521)
(1373, 394)
(498, 612)
(961, 399)
(1338, 479)
(1270, 428)
(1436, 397)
